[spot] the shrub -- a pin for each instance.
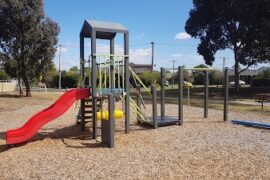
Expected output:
(262, 79)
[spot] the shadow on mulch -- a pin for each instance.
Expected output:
(204, 122)
(3, 147)
(11, 96)
(70, 132)
(2, 135)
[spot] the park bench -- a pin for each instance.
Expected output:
(262, 99)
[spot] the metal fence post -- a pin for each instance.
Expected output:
(206, 93)
(226, 95)
(154, 106)
(162, 92)
(180, 97)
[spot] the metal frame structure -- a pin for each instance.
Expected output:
(206, 91)
(107, 31)
(163, 118)
(180, 95)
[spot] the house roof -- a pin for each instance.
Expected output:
(248, 72)
(104, 30)
(140, 65)
(262, 69)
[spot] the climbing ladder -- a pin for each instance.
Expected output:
(88, 113)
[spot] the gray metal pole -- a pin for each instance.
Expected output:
(154, 106)
(206, 94)
(180, 98)
(82, 81)
(94, 83)
(111, 120)
(162, 92)
(112, 64)
(127, 75)
(226, 95)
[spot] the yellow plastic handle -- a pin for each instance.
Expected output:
(118, 114)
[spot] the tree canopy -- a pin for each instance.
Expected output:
(240, 25)
(27, 39)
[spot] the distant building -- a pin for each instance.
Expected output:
(246, 75)
(140, 68)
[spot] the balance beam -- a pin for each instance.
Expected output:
(251, 124)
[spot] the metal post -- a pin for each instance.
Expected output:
(226, 95)
(180, 97)
(94, 83)
(82, 81)
(152, 62)
(108, 126)
(127, 75)
(206, 92)
(154, 106)
(111, 120)
(162, 92)
(139, 101)
(112, 58)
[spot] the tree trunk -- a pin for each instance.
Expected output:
(20, 84)
(27, 85)
(236, 74)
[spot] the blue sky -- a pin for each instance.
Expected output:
(147, 20)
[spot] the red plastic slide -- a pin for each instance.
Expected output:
(30, 128)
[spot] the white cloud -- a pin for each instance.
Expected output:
(182, 36)
(189, 60)
(104, 48)
(142, 52)
(63, 49)
(141, 55)
(70, 56)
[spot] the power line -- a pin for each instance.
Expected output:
(152, 62)
(173, 61)
(60, 49)
(224, 62)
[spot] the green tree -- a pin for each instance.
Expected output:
(28, 37)
(216, 77)
(4, 75)
(240, 25)
(198, 76)
(49, 76)
(149, 77)
(73, 77)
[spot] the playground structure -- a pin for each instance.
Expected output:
(94, 30)
(162, 120)
(110, 80)
(105, 65)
